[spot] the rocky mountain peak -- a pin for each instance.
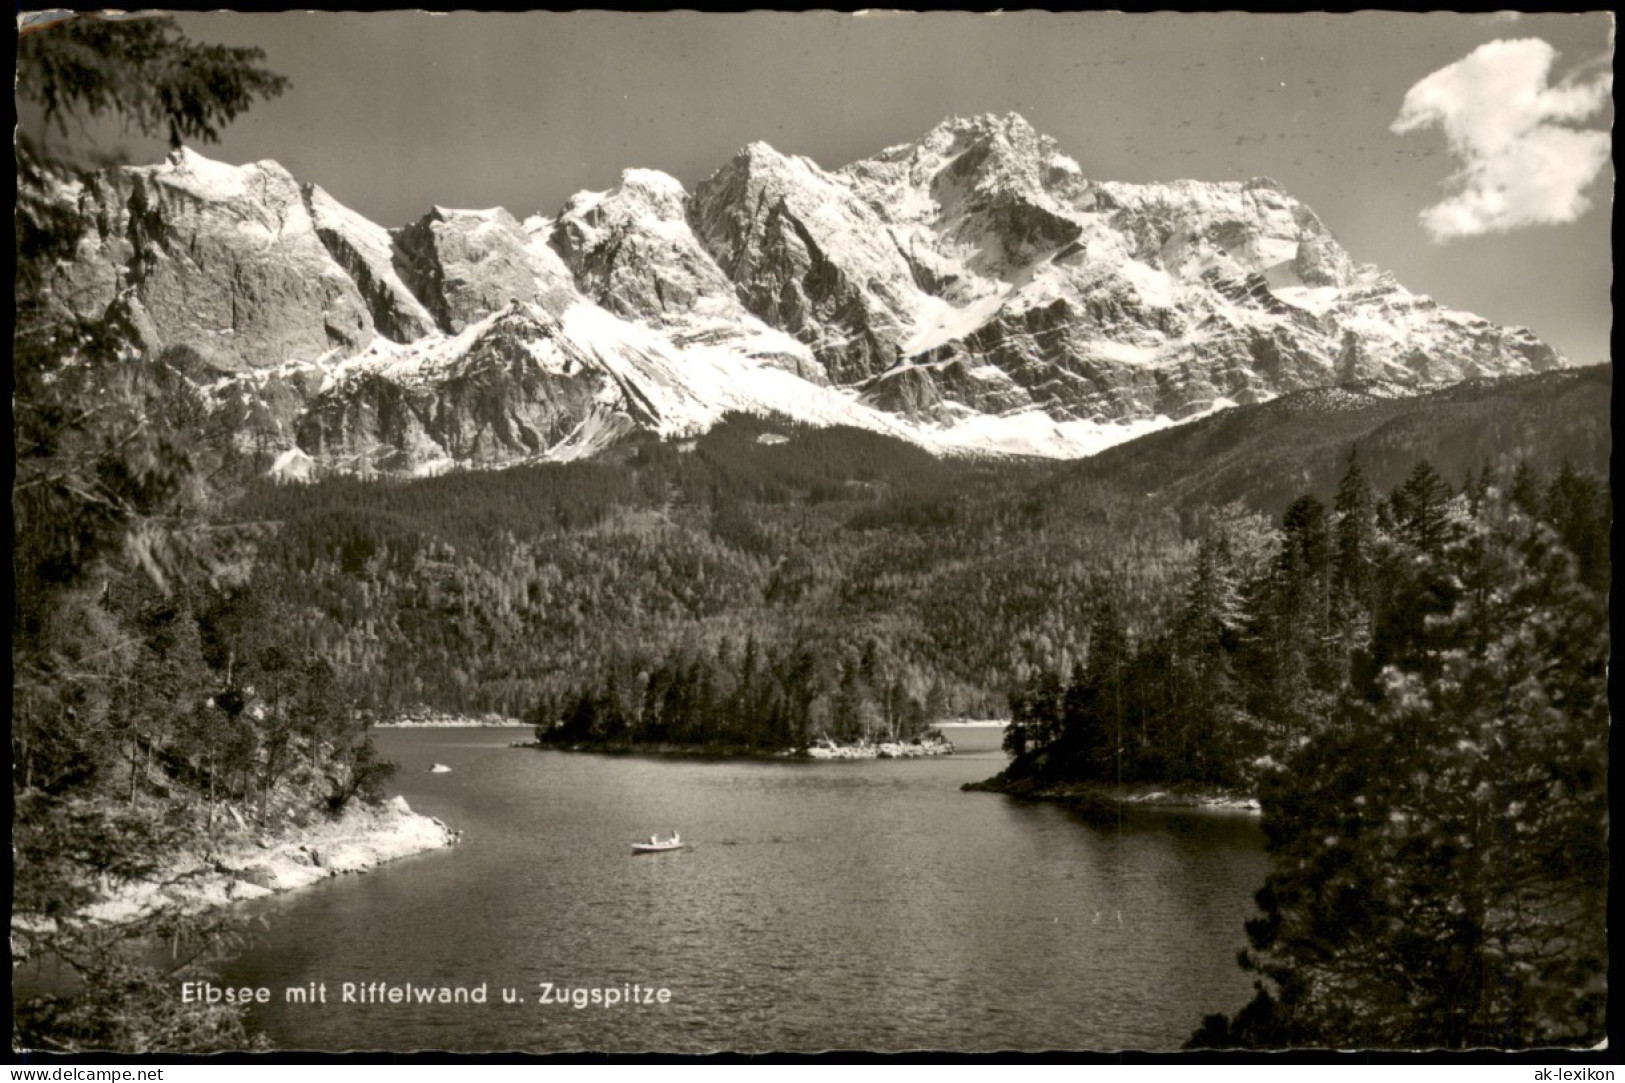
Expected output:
(220, 258)
(184, 169)
(758, 158)
(464, 264)
(662, 192)
(954, 133)
(987, 156)
(639, 194)
(632, 250)
(1009, 131)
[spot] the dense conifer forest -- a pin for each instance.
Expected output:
(1432, 755)
(507, 591)
(890, 582)
(1385, 617)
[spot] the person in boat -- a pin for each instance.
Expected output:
(652, 841)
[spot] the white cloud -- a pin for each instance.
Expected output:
(1520, 164)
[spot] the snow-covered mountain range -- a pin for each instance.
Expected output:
(972, 291)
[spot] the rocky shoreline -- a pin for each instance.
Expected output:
(250, 866)
(823, 749)
(1092, 796)
(882, 750)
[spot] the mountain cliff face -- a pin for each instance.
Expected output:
(972, 291)
(224, 259)
(807, 255)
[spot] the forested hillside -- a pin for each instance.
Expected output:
(156, 711)
(489, 591)
(1270, 454)
(511, 591)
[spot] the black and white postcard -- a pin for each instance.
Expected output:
(691, 533)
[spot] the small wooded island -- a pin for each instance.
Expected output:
(929, 743)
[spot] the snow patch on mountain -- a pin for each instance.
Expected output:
(293, 465)
(937, 321)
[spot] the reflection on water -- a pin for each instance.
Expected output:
(865, 905)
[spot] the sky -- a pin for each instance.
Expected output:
(1468, 154)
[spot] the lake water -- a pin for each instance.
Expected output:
(848, 905)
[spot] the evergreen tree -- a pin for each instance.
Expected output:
(1106, 676)
(1577, 507)
(142, 71)
(1355, 541)
(1084, 742)
(1204, 644)
(1420, 516)
(1525, 491)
